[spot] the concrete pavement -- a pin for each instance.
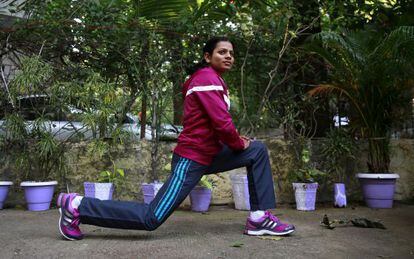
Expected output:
(216, 234)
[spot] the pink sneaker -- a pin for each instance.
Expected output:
(267, 225)
(69, 217)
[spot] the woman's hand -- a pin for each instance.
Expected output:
(246, 142)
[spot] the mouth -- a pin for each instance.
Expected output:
(227, 63)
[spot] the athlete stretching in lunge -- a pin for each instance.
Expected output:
(208, 144)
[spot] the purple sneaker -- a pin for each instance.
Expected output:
(267, 225)
(69, 217)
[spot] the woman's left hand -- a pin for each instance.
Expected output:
(246, 141)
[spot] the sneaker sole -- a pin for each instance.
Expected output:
(268, 232)
(60, 229)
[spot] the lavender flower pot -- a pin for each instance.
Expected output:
(305, 195)
(200, 198)
(339, 195)
(150, 190)
(378, 189)
(102, 191)
(240, 187)
(38, 194)
(4, 190)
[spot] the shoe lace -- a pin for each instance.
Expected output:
(72, 223)
(75, 222)
(272, 217)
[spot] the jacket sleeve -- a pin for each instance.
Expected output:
(216, 108)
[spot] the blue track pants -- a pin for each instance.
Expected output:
(184, 177)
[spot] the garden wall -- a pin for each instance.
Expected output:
(135, 159)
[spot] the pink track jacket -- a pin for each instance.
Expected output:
(207, 121)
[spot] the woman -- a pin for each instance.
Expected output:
(208, 144)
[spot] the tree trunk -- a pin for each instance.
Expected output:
(155, 136)
(143, 117)
(176, 76)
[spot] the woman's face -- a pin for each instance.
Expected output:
(222, 58)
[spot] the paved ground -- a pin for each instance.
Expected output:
(216, 234)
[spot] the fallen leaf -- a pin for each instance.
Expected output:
(357, 222)
(327, 223)
(237, 244)
(325, 220)
(366, 223)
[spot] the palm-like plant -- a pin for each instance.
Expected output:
(166, 12)
(375, 72)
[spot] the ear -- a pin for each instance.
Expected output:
(207, 57)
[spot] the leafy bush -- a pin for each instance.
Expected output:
(307, 172)
(338, 148)
(115, 176)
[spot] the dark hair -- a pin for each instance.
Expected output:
(209, 47)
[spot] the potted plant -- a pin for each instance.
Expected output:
(305, 182)
(41, 159)
(28, 132)
(200, 196)
(44, 161)
(150, 190)
(338, 148)
(38, 158)
(374, 71)
(107, 180)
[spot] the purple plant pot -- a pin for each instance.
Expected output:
(200, 198)
(102, 191)
(339, 195)
(378, 189)
(89, 189)
(240, 188)
(4, 190)
(305, 195)
(38, 194)
(150, 190)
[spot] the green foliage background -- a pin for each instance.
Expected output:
(120, 56)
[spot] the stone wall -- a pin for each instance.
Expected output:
(402, 163)
(135, 159)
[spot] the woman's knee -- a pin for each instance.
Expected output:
(259, 149)
(258, 145)
(151, 222)
(152, 227)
